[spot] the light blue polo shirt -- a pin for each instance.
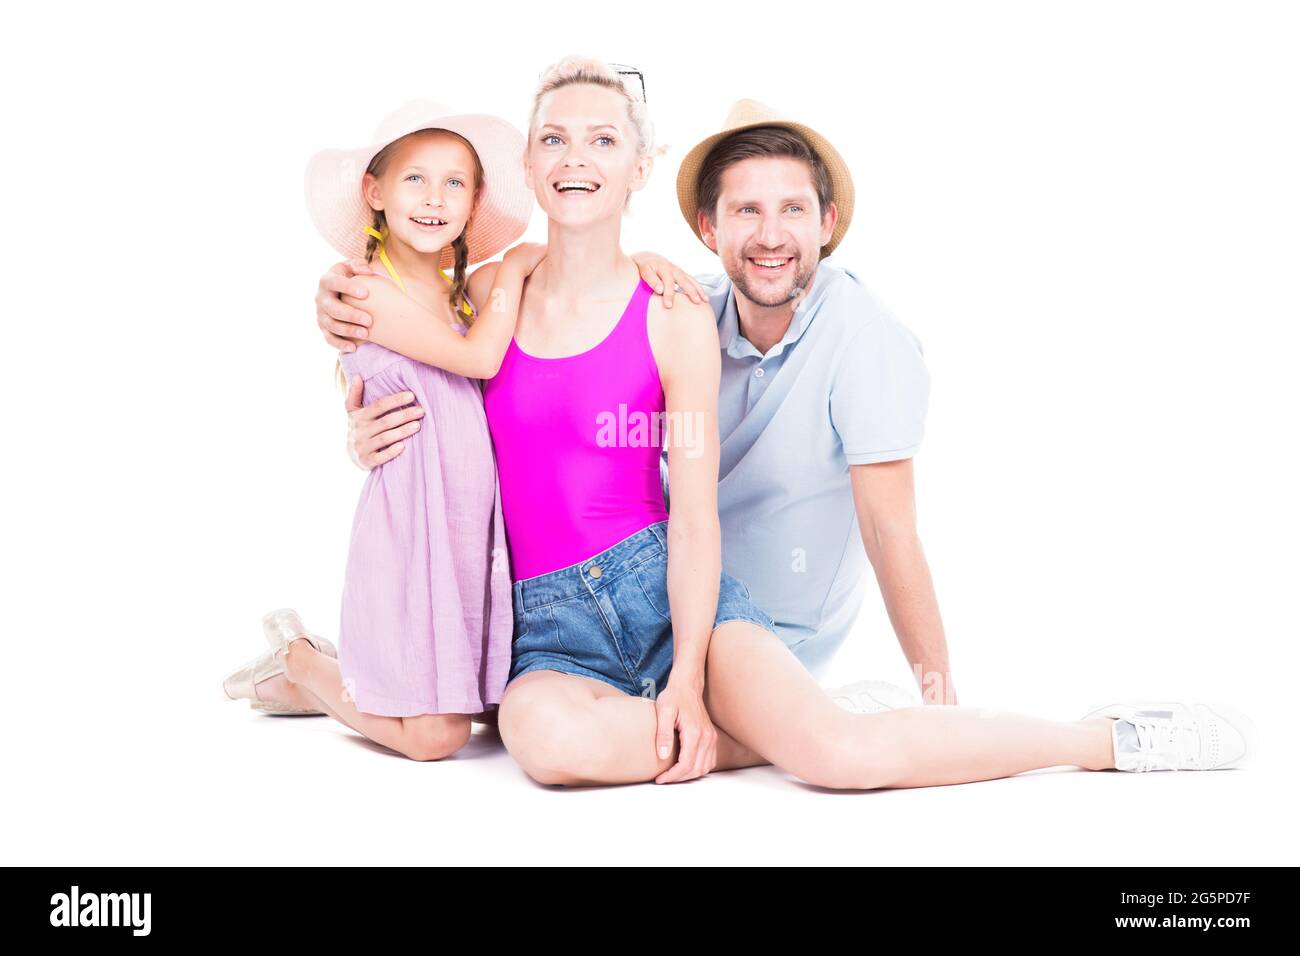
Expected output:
(847, 384)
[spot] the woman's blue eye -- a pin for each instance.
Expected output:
(609, 139)
(549, 136)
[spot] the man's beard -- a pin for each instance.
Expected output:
(799, 281)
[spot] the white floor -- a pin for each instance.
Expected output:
(211, 782)
(1106, 489)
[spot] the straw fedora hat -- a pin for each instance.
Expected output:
(341, 213)
(747, 114)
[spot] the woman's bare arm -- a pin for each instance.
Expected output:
(687, 353)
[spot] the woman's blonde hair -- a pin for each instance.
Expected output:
(459, 245)
(573, 70)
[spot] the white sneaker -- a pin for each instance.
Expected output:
(871, 697)
(1177, 736)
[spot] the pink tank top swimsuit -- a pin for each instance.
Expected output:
(578, 442)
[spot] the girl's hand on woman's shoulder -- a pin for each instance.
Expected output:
(664, 277)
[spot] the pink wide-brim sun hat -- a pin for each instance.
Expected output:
(341, 214)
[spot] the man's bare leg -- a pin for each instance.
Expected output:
(757, 691)
(577, 731)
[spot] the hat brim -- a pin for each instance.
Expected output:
(341, 214)
(688, 175)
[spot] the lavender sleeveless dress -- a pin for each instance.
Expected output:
(427, 621)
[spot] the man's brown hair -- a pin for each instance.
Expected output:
(748, 144)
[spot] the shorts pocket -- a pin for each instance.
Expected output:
(541, 632)
(741, 585)
(734, 602)
(652, 579)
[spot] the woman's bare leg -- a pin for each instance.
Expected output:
(574, 731)
(314, 681)
(757, 690)
(577, 731)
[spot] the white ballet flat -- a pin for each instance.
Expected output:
(280, 627)
(240, 684)
(284, 625)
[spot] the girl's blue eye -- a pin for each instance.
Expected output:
(456, 181)
(413, 176)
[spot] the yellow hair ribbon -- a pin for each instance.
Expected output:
(383, 257)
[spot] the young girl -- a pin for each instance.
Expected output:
(426, 624)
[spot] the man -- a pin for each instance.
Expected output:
(822, 401)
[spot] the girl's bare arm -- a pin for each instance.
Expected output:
(404, 325)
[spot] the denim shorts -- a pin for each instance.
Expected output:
(608, 618)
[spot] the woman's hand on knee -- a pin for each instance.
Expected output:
(681, 711)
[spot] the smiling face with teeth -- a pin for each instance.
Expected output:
(582, 161)
(768, 228)
(425, 184)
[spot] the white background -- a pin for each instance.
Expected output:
(1086, 212)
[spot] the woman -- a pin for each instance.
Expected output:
(608, 595)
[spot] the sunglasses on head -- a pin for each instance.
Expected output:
(624, 70)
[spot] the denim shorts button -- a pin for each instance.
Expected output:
(595, 571)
